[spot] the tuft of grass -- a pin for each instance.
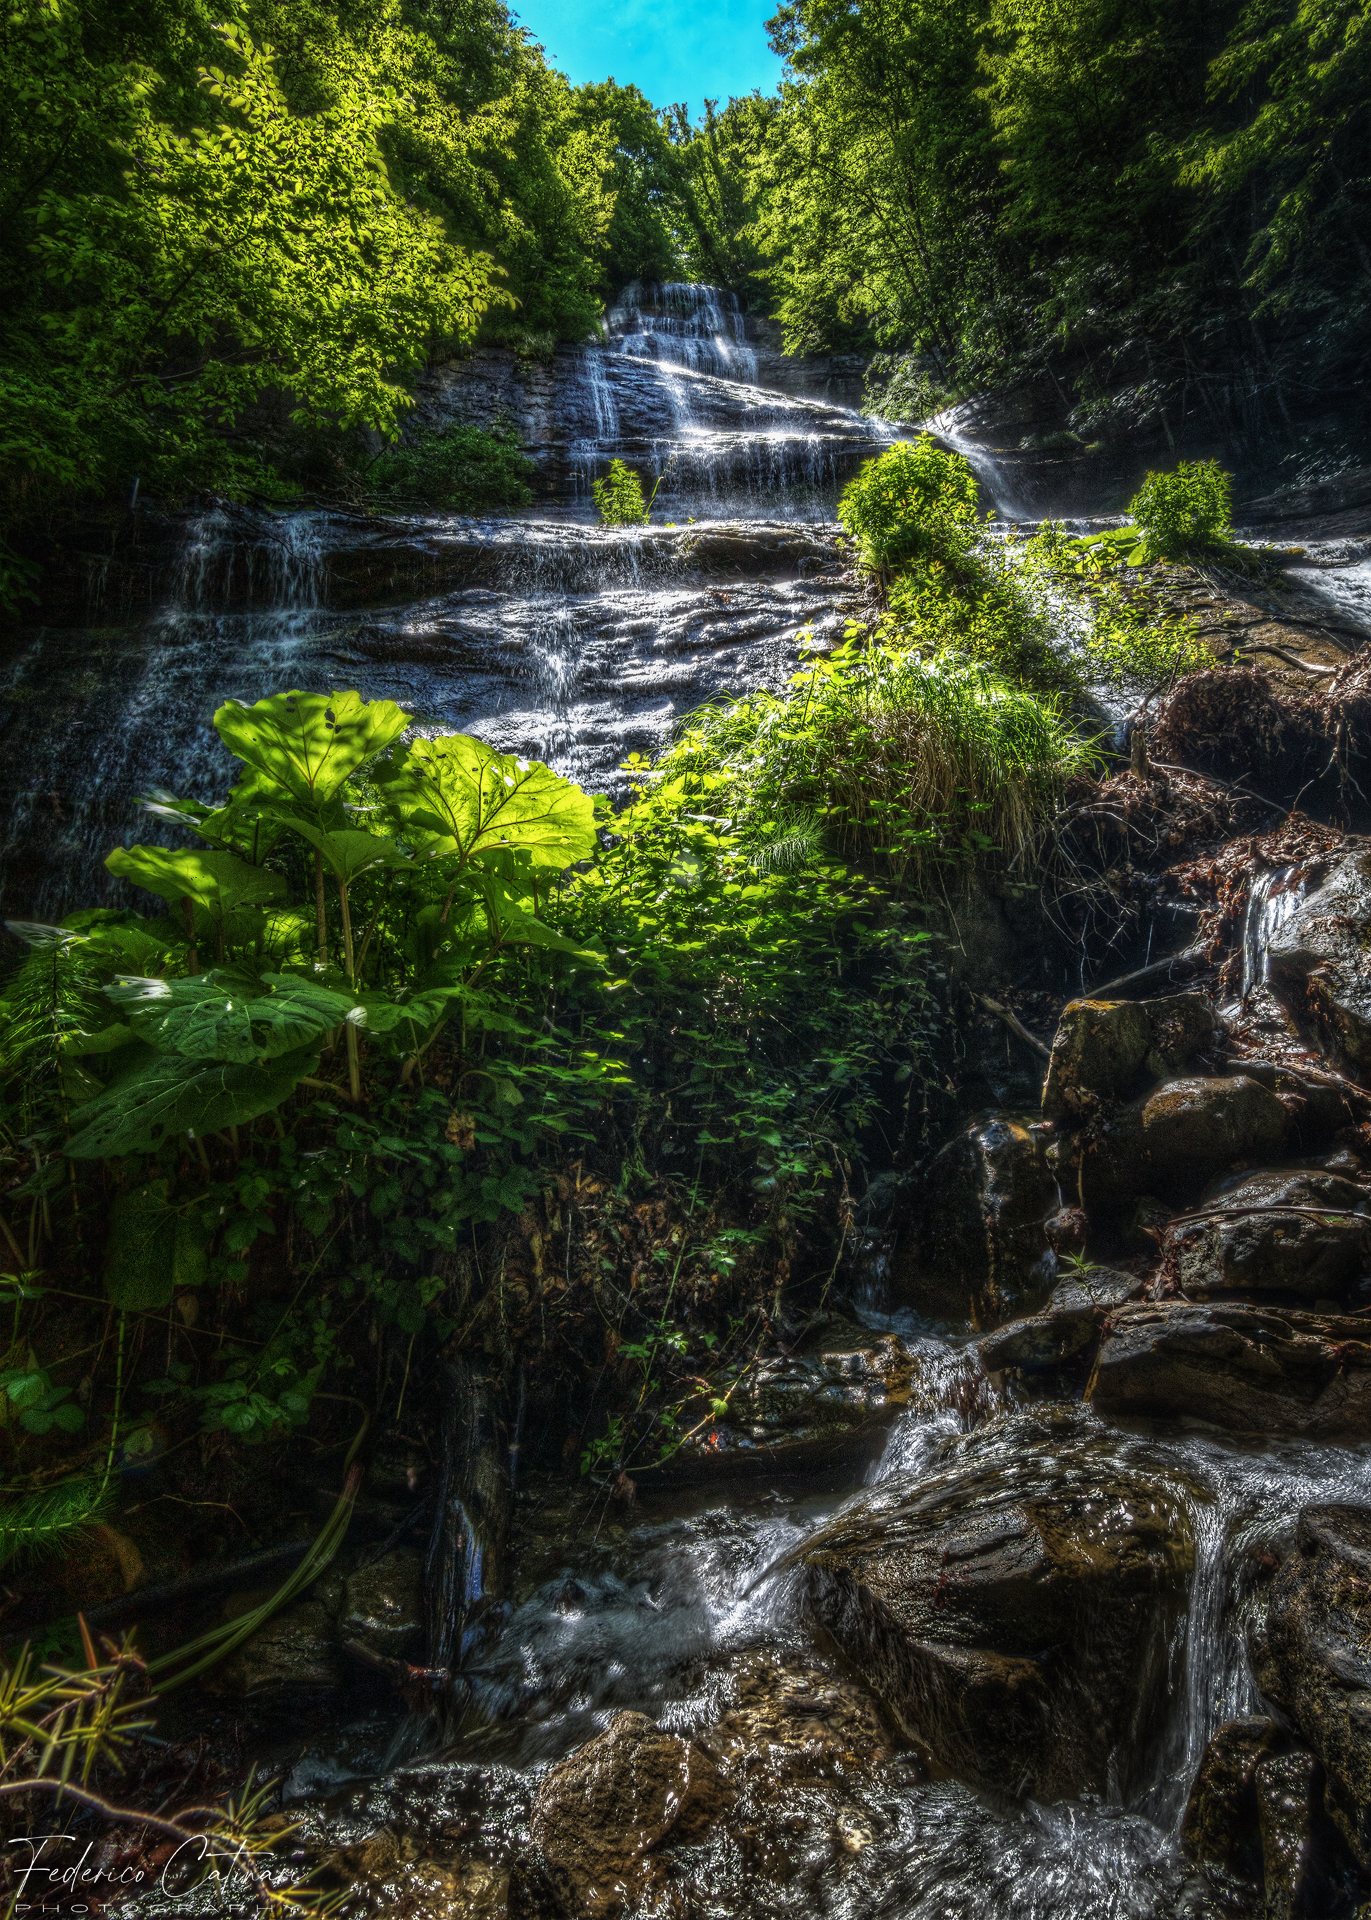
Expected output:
(909, 763)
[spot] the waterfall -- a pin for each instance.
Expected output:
(702, 328)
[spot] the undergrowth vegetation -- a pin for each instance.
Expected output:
(407, 1041)
(1050, 611)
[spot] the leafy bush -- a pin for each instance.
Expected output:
(916, 502)
(1184, 512)
(619, 497)
(985, 611)
(461, 467)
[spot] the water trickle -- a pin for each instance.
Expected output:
(1273, 901)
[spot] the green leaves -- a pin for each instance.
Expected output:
(218, 882)
(480, 801)
(228, 1015)
(307, 744)
(348, 851)
(173, 1095)
(140, 1252)
(39, 1404)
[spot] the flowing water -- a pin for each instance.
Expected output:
(552, 637)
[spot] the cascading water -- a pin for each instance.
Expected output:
(577, 644)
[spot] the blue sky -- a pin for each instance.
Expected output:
(671, 49)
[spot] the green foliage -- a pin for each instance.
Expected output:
(916, 502)
(1147, 199)
(619, 497)
(39, 1405)
(1125, 638)
(1184, 512)
(35, 1525)
(458, 467)
(919, 765)
(179, 243)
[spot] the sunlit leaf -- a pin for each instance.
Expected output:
(218, 882)
(461, 789)
(307, 744)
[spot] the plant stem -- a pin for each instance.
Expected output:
(320, 917)
(354, 1057)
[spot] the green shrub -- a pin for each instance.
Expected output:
(619, 497)
(985, 611)
(915, 503)
(912, 763)
(1183, 512)
(461, 467)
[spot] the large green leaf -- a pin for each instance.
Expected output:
(480, 800)
(308, 743)
(172, 1095)
(140, 1251)
(510, 925)
(348, 851)
(228, 1014)
(218, 882)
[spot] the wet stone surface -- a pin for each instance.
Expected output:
(1012, 1618)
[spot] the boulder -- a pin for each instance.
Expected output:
(294, 1649)
(973, 1245)
(794, 1407)
(1012, 1612)
(1174, 1140)
(599, 1817)
(1106, 1050)
(1318, 1103)
(1289, 1187)
(1067, 1328)
(1312, 1657)
(1272, 1254)
(1316, 951)
(1251, 1369)
(383, 1604)
(1220, 1825)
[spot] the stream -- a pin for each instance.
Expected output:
(550, 636)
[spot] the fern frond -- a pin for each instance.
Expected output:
(33, 1525)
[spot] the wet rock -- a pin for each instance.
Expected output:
(793, 1406)
(1293, 1877)
(1318, 1103)
(1220, 1825)
(1312, 1657)
(1272, 1252)
(1251, 1369)
(1290, 1187)
(295, 1649)
(1067, 1231)
(600, 1815)
(383, 1604)
(1106, 1050)
(1317, 953)
(973, 1244)
(434, 1842)
(1174, 1140)
(1067, 1328)
(791, 1720)
(1013, 1612)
